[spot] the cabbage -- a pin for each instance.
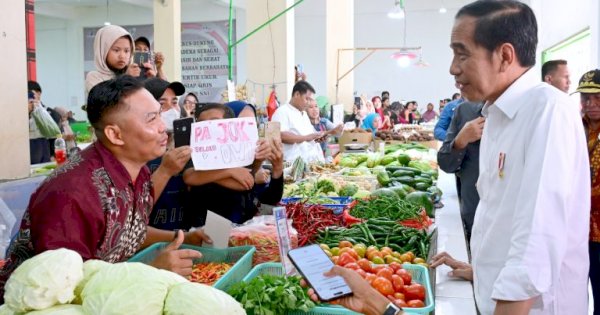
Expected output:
(44, 280)
(90, 268)
(127, 288)
(5, 310)
(68, 309)
(198, 299)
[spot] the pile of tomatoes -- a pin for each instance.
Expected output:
(391, 279)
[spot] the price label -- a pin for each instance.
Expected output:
(283, 235)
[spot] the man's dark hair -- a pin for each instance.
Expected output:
(550, 66)
(302, 87)
(449, 100)
(34, 86)
(202, 107)
(455, 96)
(108, 96)
(385, 94)
(504, 21)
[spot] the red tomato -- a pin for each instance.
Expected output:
(399, 296)
(400, 303)
(415, 303)
(383, 285)
(398, 283)
(370, 277)
(335, 259)
(414, 291)
(364, 264)
(405, 276)
(395, 266)
(353, 266)
(375, 268)
(344, 244)
(386, 273)
(362, 273)
(345, 259)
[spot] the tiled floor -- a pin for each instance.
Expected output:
(452, 296)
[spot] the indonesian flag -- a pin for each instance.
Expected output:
(272, 104)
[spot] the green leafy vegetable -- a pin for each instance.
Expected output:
(271, 295)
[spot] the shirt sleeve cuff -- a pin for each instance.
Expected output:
(514, 284)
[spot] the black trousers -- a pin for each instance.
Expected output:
(39, 150)
(595, 274)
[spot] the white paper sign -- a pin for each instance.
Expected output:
(223, 143)
(338, 114)
(218, 229)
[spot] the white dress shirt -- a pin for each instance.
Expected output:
(297, 122)
(531, 229)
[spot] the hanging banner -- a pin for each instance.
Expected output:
(204, 65)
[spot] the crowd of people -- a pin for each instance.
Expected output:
(525, 201)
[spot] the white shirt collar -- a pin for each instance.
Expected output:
(509, 101)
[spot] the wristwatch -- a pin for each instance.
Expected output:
(392, 309)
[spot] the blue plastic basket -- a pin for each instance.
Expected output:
(240, 256)
(337, 208)
(419, 274)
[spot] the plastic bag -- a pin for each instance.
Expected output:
(7, 221)
(46, 125)
(261, 233)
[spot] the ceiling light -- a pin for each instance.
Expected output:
(106, 23)
(443, 10)
(403, 61)
(397, 11)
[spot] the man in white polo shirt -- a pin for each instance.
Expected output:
(530, 234)
(297, 133)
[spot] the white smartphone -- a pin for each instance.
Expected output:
(312, 262)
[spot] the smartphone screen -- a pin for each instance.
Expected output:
(312, 262)
(140, 57)
(273, 130)
(182, 130)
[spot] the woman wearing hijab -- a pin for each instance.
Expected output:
(372, 122)
(113, 47)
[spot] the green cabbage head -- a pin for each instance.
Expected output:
(90, 268)
(67, 309)
(127, 288)
(44, 280)
(198, 299)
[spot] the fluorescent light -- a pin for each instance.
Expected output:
(397, 11)
(443, 10)
(403, 61)
(106, 23)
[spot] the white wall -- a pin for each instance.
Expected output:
(559, 20)
(310, 43)
(59, 44)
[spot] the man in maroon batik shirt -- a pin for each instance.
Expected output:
(98, 203)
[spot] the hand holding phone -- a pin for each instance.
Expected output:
(182, 130)
(312, 262)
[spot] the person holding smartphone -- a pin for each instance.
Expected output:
(142, 46)
(113, 48)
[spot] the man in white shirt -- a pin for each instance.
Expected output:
(297, 133)
(530, 233)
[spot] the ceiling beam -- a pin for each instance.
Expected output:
(148, 4)
(56, 10)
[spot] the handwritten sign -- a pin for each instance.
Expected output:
(223, 143)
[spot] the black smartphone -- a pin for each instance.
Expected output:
(312, 262)
(182, 130)
(140, 57)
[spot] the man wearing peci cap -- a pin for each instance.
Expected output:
(167, 213)
(589, 89)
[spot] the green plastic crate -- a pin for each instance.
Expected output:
(419, 274)
(241, 256)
